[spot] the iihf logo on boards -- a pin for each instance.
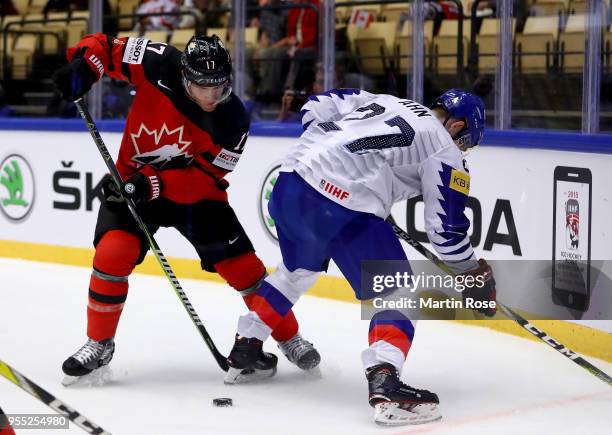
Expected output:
(264, 198)
(572, 224)
(16, 187)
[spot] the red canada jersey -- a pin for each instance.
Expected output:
(190, 149)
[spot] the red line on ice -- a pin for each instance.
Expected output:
(445, 425)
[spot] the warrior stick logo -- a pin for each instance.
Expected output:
(16, 187)
(264, 198)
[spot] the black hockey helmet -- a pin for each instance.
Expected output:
(207, 64)
(206, 61)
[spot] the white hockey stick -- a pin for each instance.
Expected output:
(50, 400)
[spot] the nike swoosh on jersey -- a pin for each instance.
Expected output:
(231, 242)
(159, 82)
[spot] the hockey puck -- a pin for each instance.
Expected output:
(222, 401)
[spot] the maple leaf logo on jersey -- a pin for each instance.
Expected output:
(163, 149)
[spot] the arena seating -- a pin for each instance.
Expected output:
(550, 39)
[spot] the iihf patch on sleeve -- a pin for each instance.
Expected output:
(226, 160)
(134, 50)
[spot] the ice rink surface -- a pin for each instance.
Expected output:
(164, 378)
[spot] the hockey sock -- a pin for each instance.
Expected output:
(390, 337)
(245, 273)
(274, 300)
(115, 258)
(285, 329)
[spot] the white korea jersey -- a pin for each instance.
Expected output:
(367, 151)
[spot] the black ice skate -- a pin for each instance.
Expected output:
(300, 352)
(396, 403)
(92, 356)
(248, 362)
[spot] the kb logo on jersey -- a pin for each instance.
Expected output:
(333, 190)
(460, 182)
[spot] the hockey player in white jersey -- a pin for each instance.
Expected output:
(359, 154)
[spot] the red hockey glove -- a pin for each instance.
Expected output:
(76, 78)
(479, 293)
(144, 185)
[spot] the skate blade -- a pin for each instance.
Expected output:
(390, 414)
(97, 378)
(70, 380)
(314, 372)
(310, 363)
(243, 376)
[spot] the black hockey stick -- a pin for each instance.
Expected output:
(110, 164)
(50, 400)
(403, 235)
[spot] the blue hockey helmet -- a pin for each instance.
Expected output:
(467, 106)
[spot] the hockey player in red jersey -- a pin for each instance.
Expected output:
(5, 427)
(185, 131)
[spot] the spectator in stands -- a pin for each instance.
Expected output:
(216, 19)
(436, 11)
(272, 21)
(443, 9)
(158, 22)
(195, 7)
(270, 52)
(109, 21)
(7, 8)
(252, 15)
(489, 7)
(72, 5)
(293, 100)
(301, 40)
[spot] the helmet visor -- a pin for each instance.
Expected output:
(208, 96)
